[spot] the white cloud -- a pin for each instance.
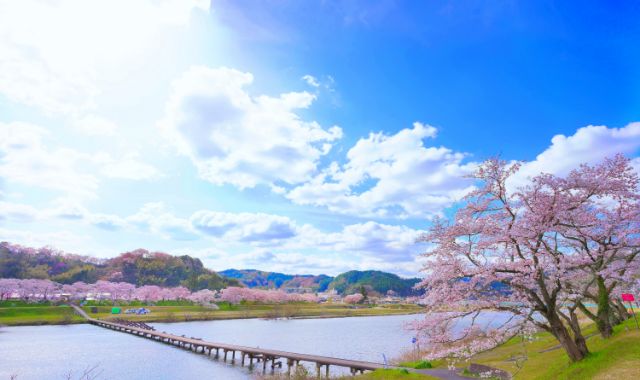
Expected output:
(17, 212)
(382, 241)
(272, 241)
(26, 159)
(128, 167)
(66, 208)
(244, 227)
(95, 125)
(391, 176)
(107, 222)
(28, 156)
(242, 140)
(157, 219)
(62, 239)
(61, 208)
(590, 144)
(311, 80)
(57, 55)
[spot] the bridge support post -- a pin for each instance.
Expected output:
(233, 357)
(242, 354)
(327, 371)
(289, 364)
(225, 355)
(264, 364)
(217, 353)
(250, 361)
(353, 371)
(318, 365)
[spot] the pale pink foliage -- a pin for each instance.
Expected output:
(31, 290)
(236, 295)
(203, 296)
(353, 298)
(531, 253)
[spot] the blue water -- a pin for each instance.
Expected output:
(52, 352)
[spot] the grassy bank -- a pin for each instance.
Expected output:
(614, 358)
(16, 314)
(392, 374)
(21, 315)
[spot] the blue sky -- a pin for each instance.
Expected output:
(309, 137)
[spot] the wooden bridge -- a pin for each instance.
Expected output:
(273, 358)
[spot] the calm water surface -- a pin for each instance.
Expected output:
(51, 352)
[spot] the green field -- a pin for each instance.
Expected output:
(15, 313)
(38, 315)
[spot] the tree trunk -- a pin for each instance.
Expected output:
(603, 319)
(621, 310)
(575, 351)
(581, 342)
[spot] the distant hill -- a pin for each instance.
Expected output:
(377, 281)
(345, 283)
(142, 267)
(260, 279)
(139, 267)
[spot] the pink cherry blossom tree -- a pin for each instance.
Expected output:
(232, 294)
(353, 298)
(518, 251)
(8, 287)
(601, 224)
(204, 296)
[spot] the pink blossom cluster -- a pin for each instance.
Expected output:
(236, 295)
(32, 290)
(353, 298)
(537, 254)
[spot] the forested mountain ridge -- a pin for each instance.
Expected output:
(373, 280)
(142, 267)
(345, 283)
(261, 279)
(139, 267)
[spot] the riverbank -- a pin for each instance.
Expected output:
(615, 358)
(33, 314)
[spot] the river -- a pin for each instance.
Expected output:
(52, 352)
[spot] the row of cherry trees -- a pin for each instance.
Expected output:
(236, 295)
(33, 290)
(538, 253)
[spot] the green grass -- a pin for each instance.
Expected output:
(34, 314)
(23, 304)
(38, 315)
(418, 364)
(390, 374)
(615, 358)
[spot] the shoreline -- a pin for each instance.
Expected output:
(73, 319)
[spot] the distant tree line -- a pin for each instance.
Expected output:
(139, 267)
